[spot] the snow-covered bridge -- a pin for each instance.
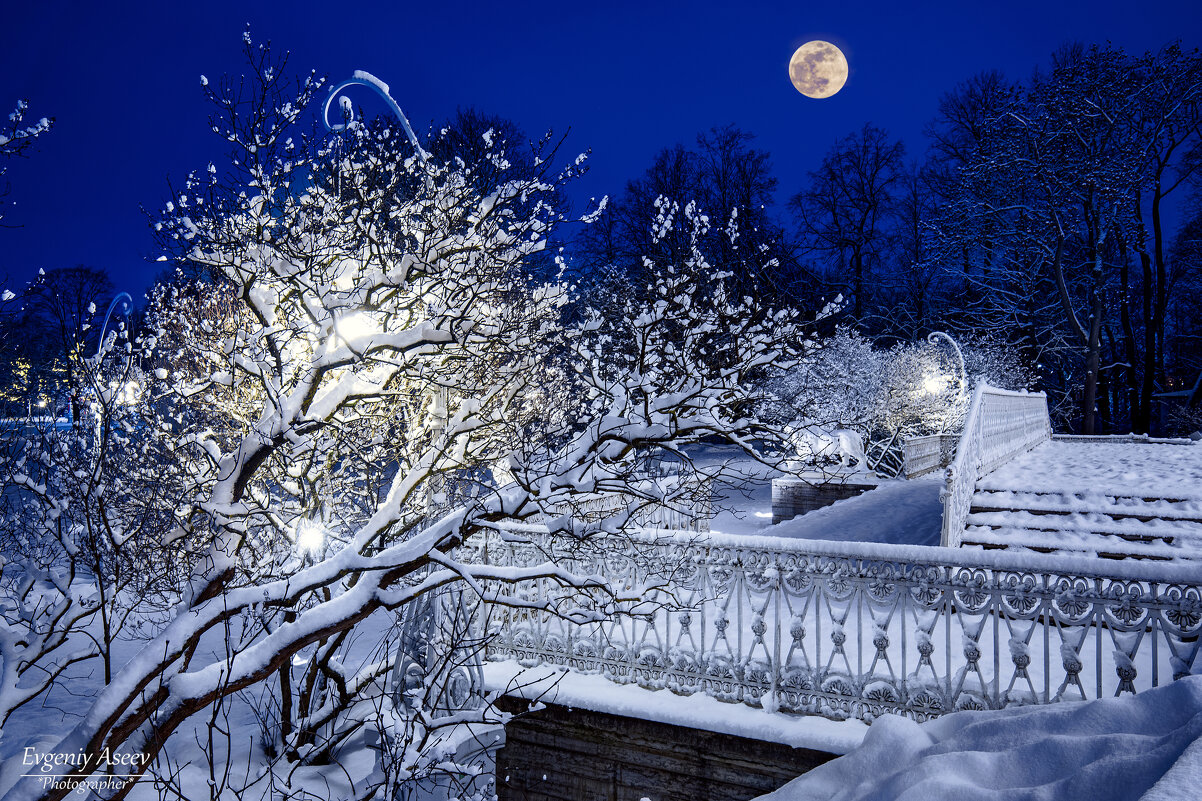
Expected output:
(854, 629)
(1014, 485)
(846, 630)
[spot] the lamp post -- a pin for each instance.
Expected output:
(361, 78)
(127, 303)
(441, 401)
(430, 624)
(118, 298)
(962, 385)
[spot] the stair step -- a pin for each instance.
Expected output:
(984, 505)
(986, 546)
(990, 483)
(1115, 507)
(1110, 547)
(1089, 524)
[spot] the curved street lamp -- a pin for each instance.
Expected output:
(428, 622)
(361, 78)
(129, 302)
(933, 338)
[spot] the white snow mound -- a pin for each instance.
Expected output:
(1108, 750)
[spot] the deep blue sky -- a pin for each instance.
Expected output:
(629, 78)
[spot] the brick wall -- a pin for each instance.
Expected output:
(561, 754)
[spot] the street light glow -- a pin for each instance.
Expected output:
(355, 327)
(935, 383)
(129, 393)
(310, 536)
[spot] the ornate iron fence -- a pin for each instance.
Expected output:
(1000, 425)
(856, 629)
(925, 454)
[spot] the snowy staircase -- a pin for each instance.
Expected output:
(1114, 526)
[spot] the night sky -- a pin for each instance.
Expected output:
(122, 79)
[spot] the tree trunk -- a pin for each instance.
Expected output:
(1158, 313)
(1105, 418)
(1093, 357)
(1135, 411)
(857, 261)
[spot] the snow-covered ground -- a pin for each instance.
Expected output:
(36, 728)
(1146, 746)
(898, 511)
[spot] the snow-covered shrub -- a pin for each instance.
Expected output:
(885, 394)
(85, 503)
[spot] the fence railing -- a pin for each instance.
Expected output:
(854, 630)
(922, 455)
(1135, 439)
(1000, 425)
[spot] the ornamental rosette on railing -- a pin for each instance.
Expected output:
(858, 630)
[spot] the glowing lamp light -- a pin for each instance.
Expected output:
(128, 393)
(935, 383)
(309, 537)
(356, 326)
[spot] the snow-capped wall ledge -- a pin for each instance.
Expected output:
(749, 549)
(558, 686)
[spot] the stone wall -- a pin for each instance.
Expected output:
(562, 754)
(792, 496)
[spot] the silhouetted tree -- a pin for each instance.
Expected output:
(1050, 205)
(844, 212)
(62, 311)
(726, 186)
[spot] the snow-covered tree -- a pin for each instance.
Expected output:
(62, 312)
(1054, 222)
(83, 507)
(17, 137)
(361, 378)
(723, 178)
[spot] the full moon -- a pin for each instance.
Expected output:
(818, 69)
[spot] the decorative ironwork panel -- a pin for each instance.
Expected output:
(854, 630)
(925, 454)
